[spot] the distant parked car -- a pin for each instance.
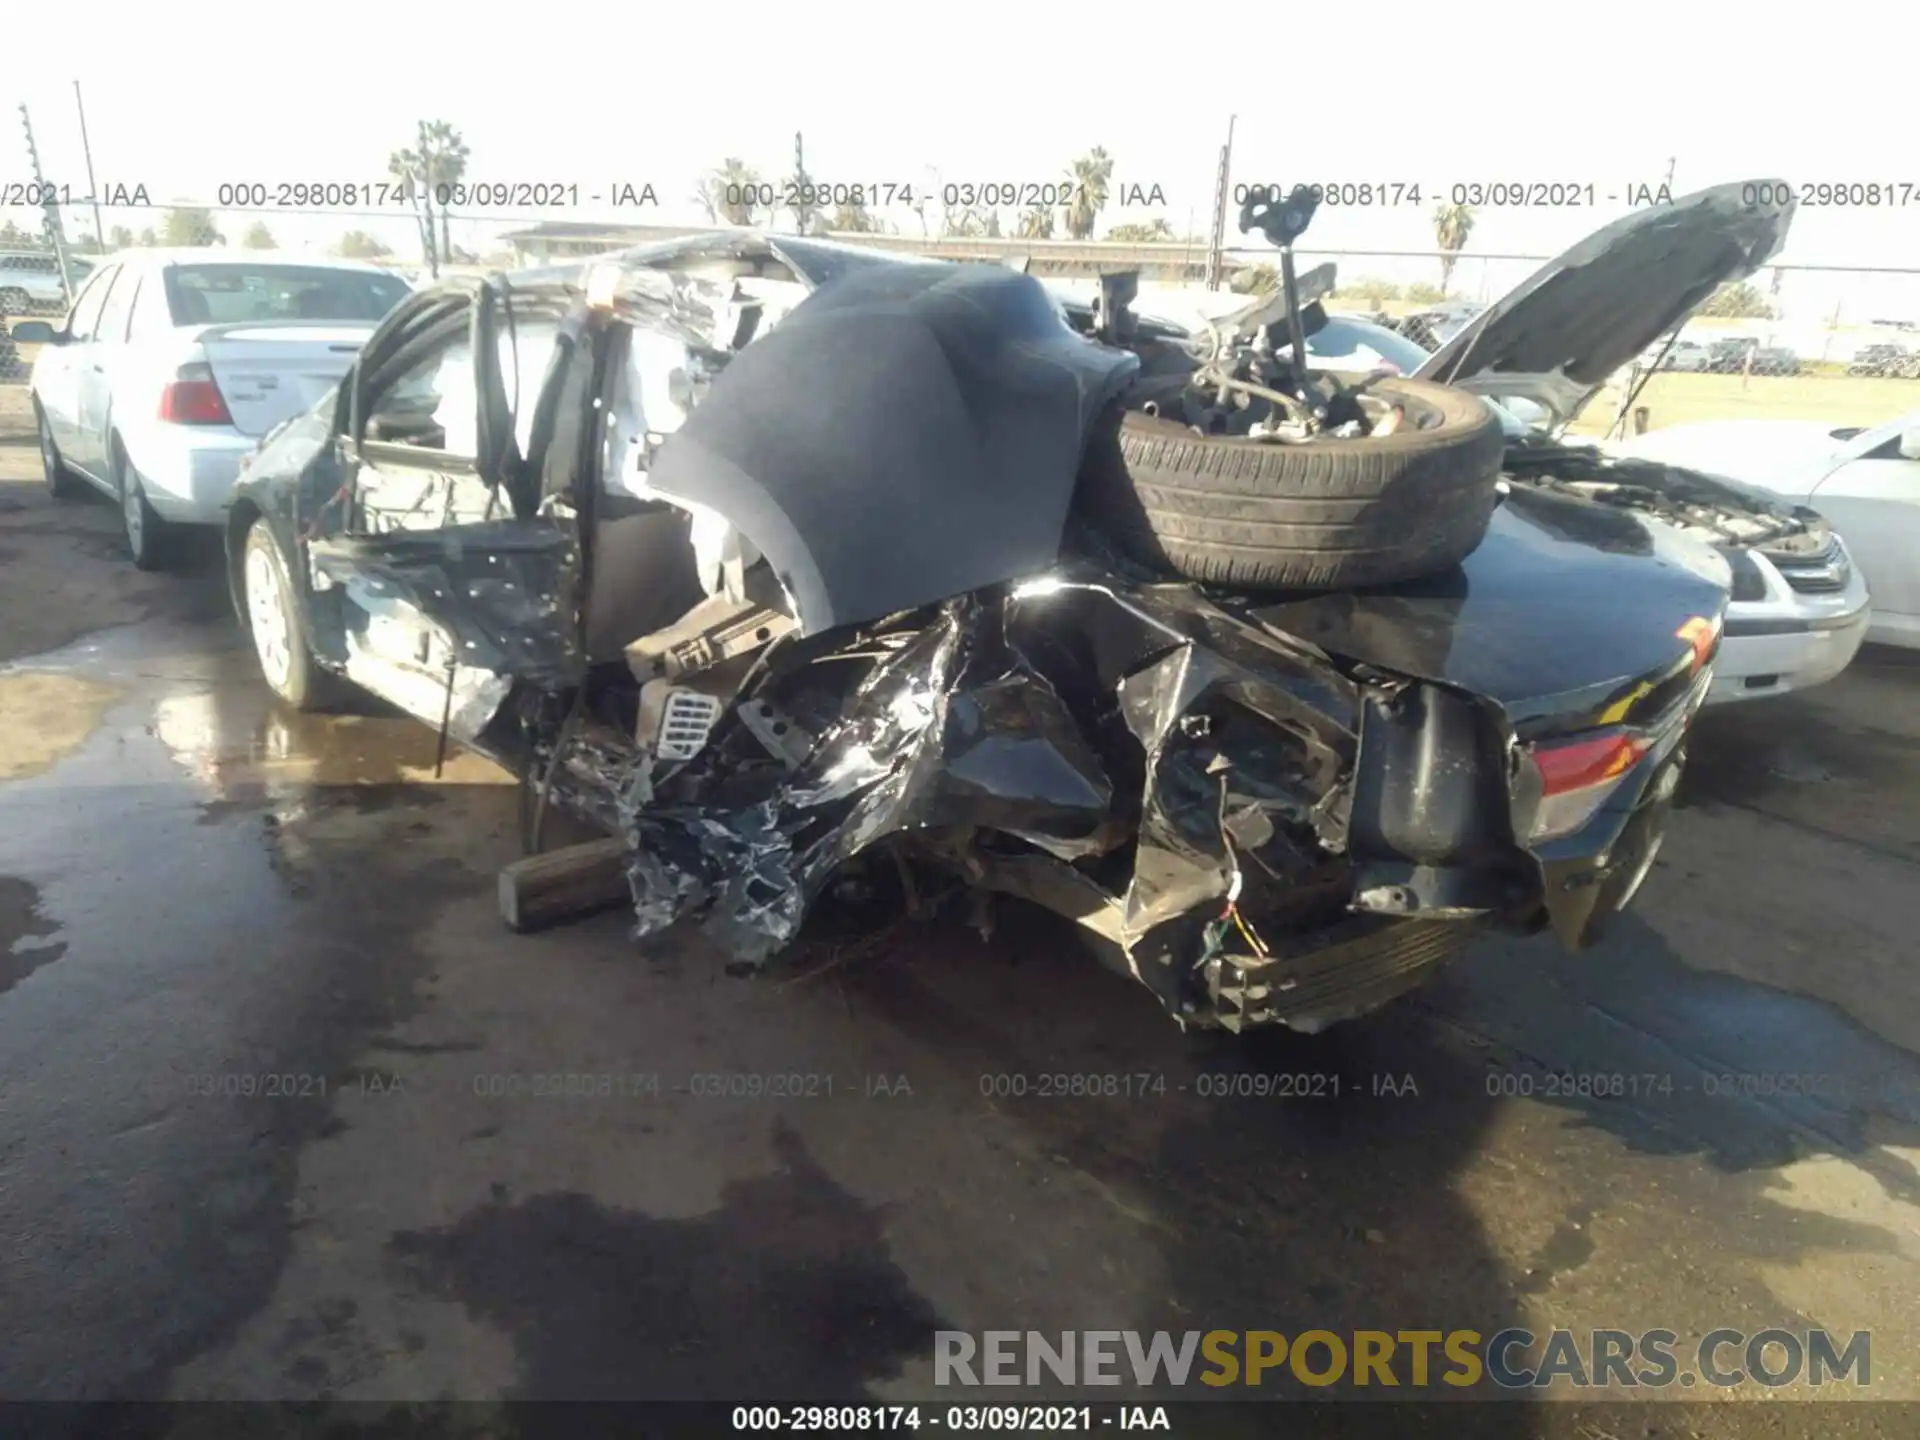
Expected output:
(173, 363)
(1890, 360)
(1737, 356)
(1729, 357)
(1686, 357)
(30, 282)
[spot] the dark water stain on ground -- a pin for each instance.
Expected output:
(24, 947)
(786, 1290)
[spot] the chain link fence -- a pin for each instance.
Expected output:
(1797, 341)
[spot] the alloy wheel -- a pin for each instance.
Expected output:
(49, 457)
(267, 618)
(133, 512)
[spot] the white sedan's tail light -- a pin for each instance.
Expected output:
(193, 397)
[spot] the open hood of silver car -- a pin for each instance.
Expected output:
(1557, 337)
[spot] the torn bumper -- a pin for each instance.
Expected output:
(1176, 781)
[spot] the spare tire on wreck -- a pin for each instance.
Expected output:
(1321, 514)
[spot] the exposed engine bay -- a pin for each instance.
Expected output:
(1716, 511)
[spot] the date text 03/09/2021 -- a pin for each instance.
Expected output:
(1000, 1419)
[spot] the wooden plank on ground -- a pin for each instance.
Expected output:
(566, 884)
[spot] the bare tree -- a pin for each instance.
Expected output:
(732, 194)
(853, 219)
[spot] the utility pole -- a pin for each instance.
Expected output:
(1668, 182)
(800, 183)
(93, 188)
(56, 237)
(1216, 258)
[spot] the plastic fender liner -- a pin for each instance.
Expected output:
(1431, 829)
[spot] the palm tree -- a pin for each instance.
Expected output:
(1089, 176)
(409, 170)
(446, 155)
(437, 159)
(1037, 223)
(730, 193)
(1452, 224)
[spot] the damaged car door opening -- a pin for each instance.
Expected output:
(775, 558)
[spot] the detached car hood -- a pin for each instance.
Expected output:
(1559, 336)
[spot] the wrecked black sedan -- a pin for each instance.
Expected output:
(774, 557)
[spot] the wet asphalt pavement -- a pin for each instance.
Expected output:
(199, 892)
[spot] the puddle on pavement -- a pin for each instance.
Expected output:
(281, 751)
(160, 1219)
(216, 719)
(46, 717)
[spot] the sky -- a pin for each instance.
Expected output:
(594, 95)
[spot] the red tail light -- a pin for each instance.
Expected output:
(1577, 776)
(1578, 764)
(192, 398)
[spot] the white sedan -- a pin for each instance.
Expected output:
(173, 363)
(1866, 481)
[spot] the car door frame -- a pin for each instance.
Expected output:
(104, 361)
(487, 602)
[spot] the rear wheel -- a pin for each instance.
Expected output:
(150, 540)
(278, 632)
(15, 301)
(61, 482)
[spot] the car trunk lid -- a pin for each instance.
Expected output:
(1560, 335)
(1564, 610)
(270, 372)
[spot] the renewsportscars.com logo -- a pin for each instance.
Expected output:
(1513, 1359)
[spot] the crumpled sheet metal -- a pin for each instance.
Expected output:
(684, 306)
(977, 723)
(951, 729)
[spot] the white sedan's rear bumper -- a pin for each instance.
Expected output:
(188, 470)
